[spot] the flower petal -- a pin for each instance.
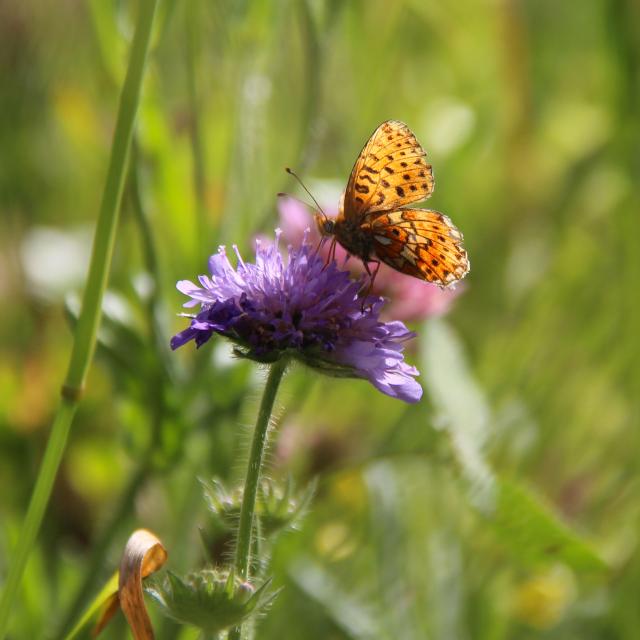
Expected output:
(302, 306)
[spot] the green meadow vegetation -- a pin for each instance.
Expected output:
(504, 505)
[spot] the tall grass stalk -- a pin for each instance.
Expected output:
(88, 322)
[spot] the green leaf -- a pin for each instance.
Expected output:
(530, 529)
(534, 533)
(354, 617)
(461, 406)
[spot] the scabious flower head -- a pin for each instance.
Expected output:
(278, 505)
(300, 308)
(210, 599)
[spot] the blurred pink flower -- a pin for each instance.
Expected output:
(295, 219)
(410, 299)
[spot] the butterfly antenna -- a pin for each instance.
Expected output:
(291, 172)
(281, 194)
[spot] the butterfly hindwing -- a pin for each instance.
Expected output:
(390, 172)
(422, 243)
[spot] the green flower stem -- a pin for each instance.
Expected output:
(245, 528)
(87, 328)
(193, 30)
(256, 455)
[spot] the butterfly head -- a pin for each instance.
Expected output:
(325, 225)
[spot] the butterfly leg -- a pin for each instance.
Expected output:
(332, 252)
(372, 278)
(375, 273)
(320, 244)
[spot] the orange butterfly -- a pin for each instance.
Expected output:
(390, 173)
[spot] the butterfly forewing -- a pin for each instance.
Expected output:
(390, 172)
(421, 243)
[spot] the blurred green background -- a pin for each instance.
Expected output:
(505, 504)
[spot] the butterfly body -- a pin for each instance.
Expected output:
(373, 222)
(354, 237)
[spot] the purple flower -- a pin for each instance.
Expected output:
(300, 308)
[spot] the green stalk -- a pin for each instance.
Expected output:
(156, 385)
(192, 50)
(100, 547)
(256, 455)
(87, 328)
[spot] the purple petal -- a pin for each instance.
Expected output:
(299, 305)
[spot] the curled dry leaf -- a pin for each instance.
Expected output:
(143, 555)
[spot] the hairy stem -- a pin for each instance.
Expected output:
(256, 455)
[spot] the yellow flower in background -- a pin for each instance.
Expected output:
(542, 600)
(334, 541)
(348, 490)
(77, 115)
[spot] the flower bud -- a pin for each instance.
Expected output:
(278, 505)
(211, 599)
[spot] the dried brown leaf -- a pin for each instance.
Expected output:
(143, 555)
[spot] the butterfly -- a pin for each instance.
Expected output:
(373, 222)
